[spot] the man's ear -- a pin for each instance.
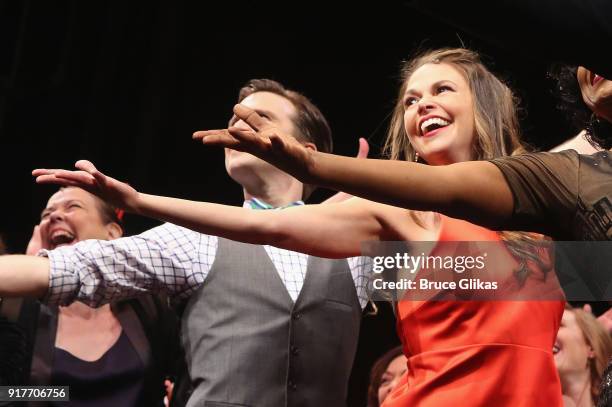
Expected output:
(114, 231)
(310, 145)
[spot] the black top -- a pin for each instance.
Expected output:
(149, 327)
(116, 379)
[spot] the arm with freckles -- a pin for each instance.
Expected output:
(311, 229)
(474, 191)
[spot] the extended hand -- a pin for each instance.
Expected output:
(604, 319)
(364, 150)
(90, 179)
(265, 141)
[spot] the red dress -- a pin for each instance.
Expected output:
(477, 353)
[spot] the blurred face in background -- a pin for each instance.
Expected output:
(571, 350)
(390, 378)
(596, 92)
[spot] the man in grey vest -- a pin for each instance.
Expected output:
(263, 327)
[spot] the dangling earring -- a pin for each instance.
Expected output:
(416, 157)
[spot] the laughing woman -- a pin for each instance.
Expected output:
(118, 354)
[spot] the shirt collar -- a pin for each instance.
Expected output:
(255, 203)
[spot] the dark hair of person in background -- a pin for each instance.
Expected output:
(108, 212)
(605, 391)
(310, 123)
(12, 345)
(376, 374)
(567, 91)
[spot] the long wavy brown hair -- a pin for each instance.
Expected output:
(497, 130)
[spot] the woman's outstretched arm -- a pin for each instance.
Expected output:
(330, 230)
(475, 191)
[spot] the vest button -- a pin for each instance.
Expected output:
(292, 385)
(294, 350)
(297, 315)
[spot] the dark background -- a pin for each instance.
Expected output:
(125, 84)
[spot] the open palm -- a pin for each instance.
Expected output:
(90, 179)
(265, 141)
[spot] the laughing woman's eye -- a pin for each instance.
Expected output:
(409, 101)
(444, 88)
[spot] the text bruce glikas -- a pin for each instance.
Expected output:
(456, 264)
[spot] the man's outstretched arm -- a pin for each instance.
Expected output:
(24, 276)
(97, 272)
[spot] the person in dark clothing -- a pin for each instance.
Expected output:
(119, 354)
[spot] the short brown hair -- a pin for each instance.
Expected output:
(108, 213)
(377, 372)
(309, 122)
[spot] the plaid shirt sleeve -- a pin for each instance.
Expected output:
(167, 258)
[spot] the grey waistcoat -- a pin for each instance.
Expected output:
(248, 344)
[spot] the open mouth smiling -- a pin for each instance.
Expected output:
(61, 237)
(429, 125)
(595, 79)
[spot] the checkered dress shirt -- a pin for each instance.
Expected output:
(167, 258)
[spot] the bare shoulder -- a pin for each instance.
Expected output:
(578, 143)
(399, 223)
